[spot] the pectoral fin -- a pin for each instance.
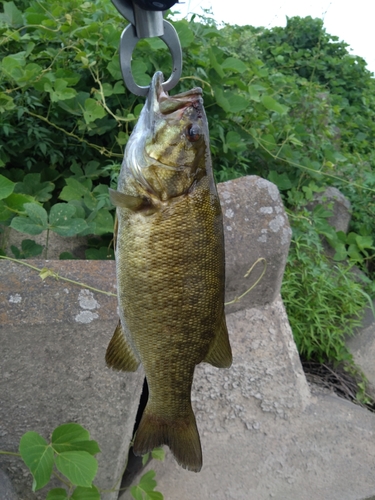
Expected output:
(120, 355)
(122, 200)
(220, 352)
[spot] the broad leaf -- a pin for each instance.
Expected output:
(62, 221)
(38, 456)
(271, 104)
(57, 494)
(78, 466)
(6, 187)
(35, 223)
(81, 493)
(93, 110)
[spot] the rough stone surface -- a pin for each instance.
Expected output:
(264, 436)
(362, 347)
(53, 338)
(336, 202)
(6, 488)
(255, 226)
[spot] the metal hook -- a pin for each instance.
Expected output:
(146, 24)
(129, 40)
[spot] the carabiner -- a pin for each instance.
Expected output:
(146, 24)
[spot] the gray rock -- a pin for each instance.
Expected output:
(264, 436)
(255, 227)
(335, 201)
(53, 339)
(362, 347)
(6, 488)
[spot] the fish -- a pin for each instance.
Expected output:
(169, 251)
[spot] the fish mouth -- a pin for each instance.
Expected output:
(161, 102)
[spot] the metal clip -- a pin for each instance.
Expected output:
(146, 24)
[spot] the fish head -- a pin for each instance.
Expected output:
(169, 148)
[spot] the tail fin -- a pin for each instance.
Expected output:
(180, 435)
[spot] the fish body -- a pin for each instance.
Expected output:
(170, 267)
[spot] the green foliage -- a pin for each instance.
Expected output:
(324, 302)
(72, 453)
(289, 104)
(145, 489)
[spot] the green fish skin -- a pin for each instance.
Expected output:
(170, 267)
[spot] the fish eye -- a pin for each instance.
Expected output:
(193, 132)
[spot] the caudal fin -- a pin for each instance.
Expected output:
(181, 435)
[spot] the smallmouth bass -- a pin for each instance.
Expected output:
(170, 267)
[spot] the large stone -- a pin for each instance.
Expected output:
(6, 488)
(264, 436)
(332, 199)
(53, 338)
(362, 347)
(255, 227)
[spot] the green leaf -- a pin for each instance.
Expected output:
(233, 64)
(93, 110)
(59, 90)
(35, 223)
(6, 187)
(57, 494)
(62, 221)
(102, 253)
(74, 190)
(38, 456)
(237, 103)
(81, 493)
(69, 433)
(73, 437)
(282, 181)
(6, 103)
(11, 16)
(271, 104)
(139, 70)
(185, 33)
(32, 186)
(78, 466)
(213, 61)
(158, 454)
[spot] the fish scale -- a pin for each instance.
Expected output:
(170, 267)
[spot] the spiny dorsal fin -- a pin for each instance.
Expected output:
(120, 355)
(220, 352)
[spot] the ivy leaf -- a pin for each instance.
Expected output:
(6, 103)
(145, 489)
(78, 466)
(38, 456)
(271, 104)
(73, 437)
(6, 187)
(158, 454)
(62, 221)
(139, 71)
(233, 64)
(31, 185)
(59, 90)
(68, 433)
(57, 494)
(93, 110)
(35, 223)
(81, 493)
(185, 33)
(29, 249)
(11, 16)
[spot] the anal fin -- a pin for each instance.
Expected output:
(220, 352)
(120, 355)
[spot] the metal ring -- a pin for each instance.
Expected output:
(128, 42)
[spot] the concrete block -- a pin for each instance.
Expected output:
(53, 338)
(264, 436)
(255, 226)
(332, 199)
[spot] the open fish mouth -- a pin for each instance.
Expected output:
(159, 101)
